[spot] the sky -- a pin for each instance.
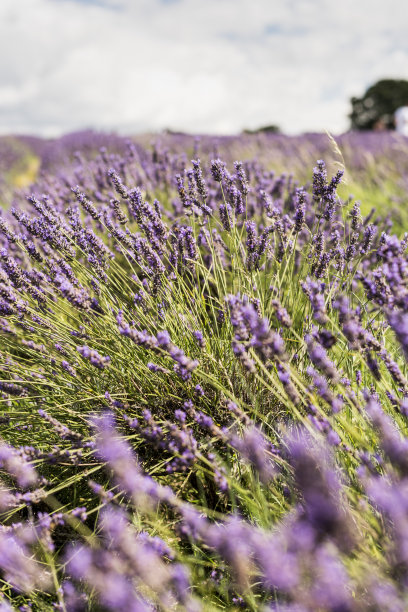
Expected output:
(202, 66)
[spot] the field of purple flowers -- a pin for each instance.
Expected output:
(203, 375)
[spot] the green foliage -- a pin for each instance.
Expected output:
(272, 129)
(376, 108)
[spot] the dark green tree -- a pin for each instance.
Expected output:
(378, 105)
(274, 129)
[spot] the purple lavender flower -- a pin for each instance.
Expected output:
(117, 453)
(321, 489)
(319, 179)
(180, 415)
(199, 391)
(242, 178)
(119, 186)
(226, 216)
(93, 356)
(313, 290)
(86, 203)
(355, 216)
(320, 359)
(199, 179)
(300, 210)
(19, 567)
(368, 237)
(285, 378)
(324, 391)
(394, 446)
(15, 464)
(251, 236)
(217, 170)
(68, 368)
(399, 323)
(80, 513)
(204, 420)
(249, 326)
(153, 367)
(254, 448)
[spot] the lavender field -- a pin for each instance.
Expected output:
(203, 377)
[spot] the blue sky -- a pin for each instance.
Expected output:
(214, 66)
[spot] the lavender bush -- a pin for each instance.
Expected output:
(204, 389)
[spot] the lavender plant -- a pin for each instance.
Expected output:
(204, 390)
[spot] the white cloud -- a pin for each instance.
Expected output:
(199, 65)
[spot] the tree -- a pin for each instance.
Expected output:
(274, 129)
(378, 105)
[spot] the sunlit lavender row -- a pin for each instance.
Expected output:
(203, 375)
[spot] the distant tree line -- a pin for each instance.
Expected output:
(375, 110)
(274, 129)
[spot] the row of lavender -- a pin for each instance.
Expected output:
(204, 395)
(376, 162)
(382, 154)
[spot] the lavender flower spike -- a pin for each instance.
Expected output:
(93, 356)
